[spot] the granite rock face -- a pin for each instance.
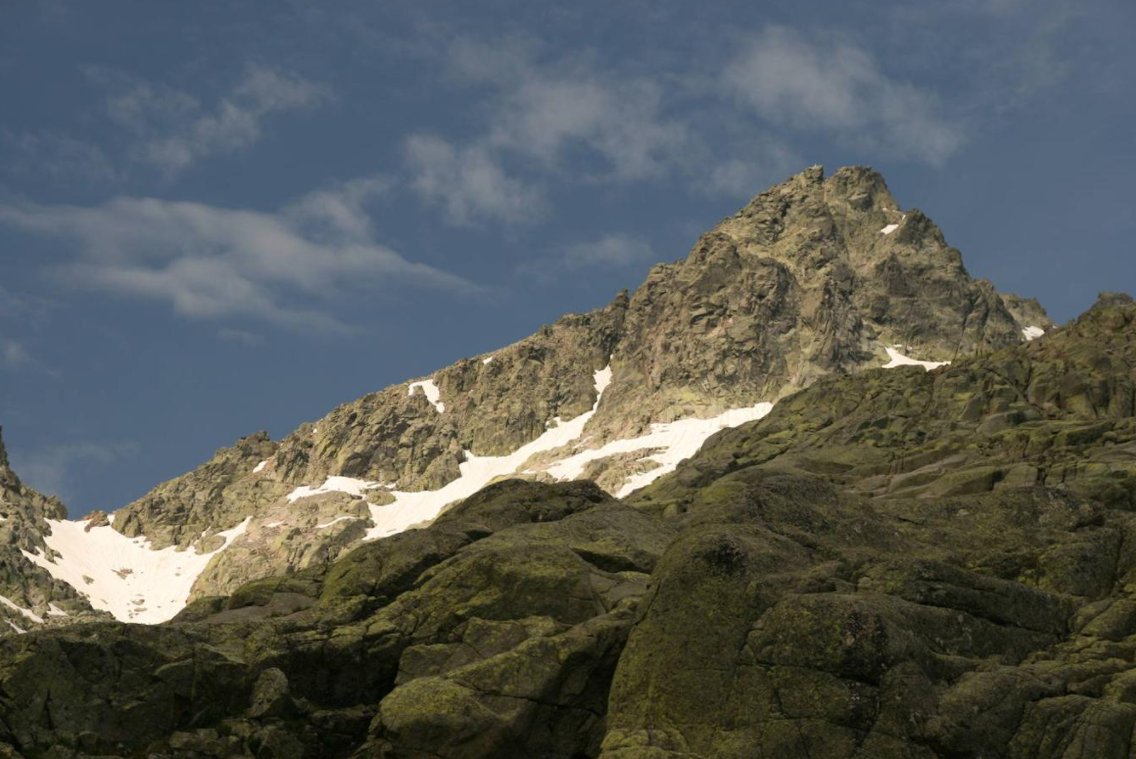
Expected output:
(29, 596)
(816, 276)
(893, 564)
(813, 277)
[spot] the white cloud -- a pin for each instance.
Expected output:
(19, 315)
(13, 354)
(175, 129)
(552, 116)
(556, 118)
(469, 182)
(835, 86)
(610, 251)
(754, 164)
(210, 262)
(15, 357)
(613, 250)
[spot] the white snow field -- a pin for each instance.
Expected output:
(898, 359)
(136, 583)
(679, 440)
(349, 485)
(1032, 333)
(124, 575)
(431, 391)
(410, 509)
(337, 520)
(889, 229)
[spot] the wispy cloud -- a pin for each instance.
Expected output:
(834, 86)
(58, 156)
(546, 118)
(612, 250)
(563, 117)
(551, 112)
(13, 355)
(50, 469)
(175, 129)
(755, 162)
(19, 315)
(31, 310)
(208, 262)
(469, 182)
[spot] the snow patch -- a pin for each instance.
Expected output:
(1032, 333)
(17, 628)
(431, 391)
(55, 611)
(487, 359)
(273, 524)
(129, 579)
(26, 612)
(349, 485)
(898, 359)
(679, 440)
(260, 467)
(410, 509)
(325, 525)
(889, 229)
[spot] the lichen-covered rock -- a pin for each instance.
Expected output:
(516, 602)
(893, 564)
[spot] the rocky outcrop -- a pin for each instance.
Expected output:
(813, 277)
(29, 596)
(1057, 412)
(217, 494)
(512, 606)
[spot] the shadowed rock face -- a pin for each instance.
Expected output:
(893, 564)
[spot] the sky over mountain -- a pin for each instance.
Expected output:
(221, 218)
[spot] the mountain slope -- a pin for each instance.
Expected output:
(789, 591)
(814, 276)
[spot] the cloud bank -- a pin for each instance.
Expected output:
(207, 262)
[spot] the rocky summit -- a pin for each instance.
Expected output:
(812, 491)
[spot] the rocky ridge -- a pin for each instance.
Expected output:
(868, 572)
(814, 276)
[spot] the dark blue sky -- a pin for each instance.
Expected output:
(217, 218)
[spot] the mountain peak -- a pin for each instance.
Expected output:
(816, 275)
(1111, 300)
(861, 187)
